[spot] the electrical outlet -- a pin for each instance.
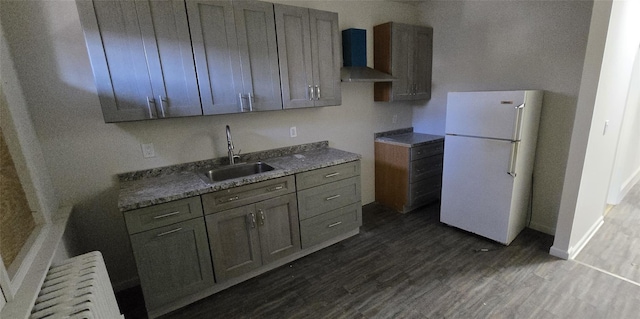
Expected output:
(293, 132)
(148, 151)
(395, 119)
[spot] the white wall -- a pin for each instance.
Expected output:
(626, 170)
(584, 197)
(511, 45)
(83, 154)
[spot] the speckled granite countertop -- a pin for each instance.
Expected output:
(161, 185)
(409, 139)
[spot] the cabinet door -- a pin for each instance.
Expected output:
(402, 56)
(256, 34)
(294, 52)
(234, 242)
(172, 261)
(423, 47)
(215, 48)
(115, 46)
(171, 67)
(278, 227)
(326, 48)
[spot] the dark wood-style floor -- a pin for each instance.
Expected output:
(412, 266)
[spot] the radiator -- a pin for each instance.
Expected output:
(79, 287)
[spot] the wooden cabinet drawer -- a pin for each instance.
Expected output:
(425, 167)
(430, 149)
(323, 227)
(243, 195)
(425, 190)
(162, 214)
(327, 197)
(327, 175)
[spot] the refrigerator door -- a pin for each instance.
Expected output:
(485, 114)
(476, 186)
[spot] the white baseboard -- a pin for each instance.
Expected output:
(628, 185)
(573, 251)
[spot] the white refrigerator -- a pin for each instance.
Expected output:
(489, 152)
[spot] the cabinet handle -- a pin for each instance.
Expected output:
(273, 189)
(166, 215)
(334, 224)
(169, 232)
(241, 102)
(261, 212)
(162, 99)
(415, 89)
(317, 92)
(252, 219)
(332, 197)
(250, 102)
(332, 175)
(150, 101)
(229, 199)
(310, 92)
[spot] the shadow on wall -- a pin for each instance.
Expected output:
(50, 58)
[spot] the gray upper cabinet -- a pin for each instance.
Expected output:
(234, 44)
(309, 48)
(405, 52)
(141, 57)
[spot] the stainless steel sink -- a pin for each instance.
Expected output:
(235, 171)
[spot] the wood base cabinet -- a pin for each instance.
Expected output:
(408, 177)
(173, 260)
(245, 238)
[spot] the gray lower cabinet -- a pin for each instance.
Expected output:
(234, 44)
(404, 51)
(251, 226)
(141, 57)
(309, 48)
(329, 202)
(173, 260)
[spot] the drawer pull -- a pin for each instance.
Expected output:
(332, 175)
(252, 219)
(169, 232)
(230, 199)
(261, 212)
(332, 197)
(273, 189)
(166, 215)
(334, 224)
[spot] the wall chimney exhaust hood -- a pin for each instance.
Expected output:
(354, 55)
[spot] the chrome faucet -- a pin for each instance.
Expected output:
(232, 157)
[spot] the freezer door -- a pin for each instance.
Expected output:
(485, 114)
(476, 186)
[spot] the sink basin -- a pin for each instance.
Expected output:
(235, 171)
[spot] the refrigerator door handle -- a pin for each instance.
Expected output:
(518, 127)
(513, 158)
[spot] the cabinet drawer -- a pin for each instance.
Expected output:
(243, 195)
(430, 149)
(323, 227)
(327, 175)
(163, 214)
(327, 197)
(425, 190)
(426, 167)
